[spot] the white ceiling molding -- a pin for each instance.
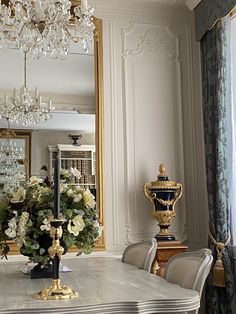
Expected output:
(141, 8)
(191, 4)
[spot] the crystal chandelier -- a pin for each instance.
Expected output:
(12, 173)
(46, 26)
(25, 107)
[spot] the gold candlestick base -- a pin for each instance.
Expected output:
(56, 292)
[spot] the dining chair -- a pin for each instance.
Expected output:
(141, 254)
(189, 269)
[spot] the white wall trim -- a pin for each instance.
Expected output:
(195, 205)
(138, 9)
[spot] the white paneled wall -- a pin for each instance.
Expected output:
(152, 116)
(150, 62)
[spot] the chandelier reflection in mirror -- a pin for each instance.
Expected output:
(45, 26)
(11, 155)
(25, 107)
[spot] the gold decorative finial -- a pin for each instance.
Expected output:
(162, 170)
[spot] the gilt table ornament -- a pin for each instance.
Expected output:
(56, 291)
(163, 194)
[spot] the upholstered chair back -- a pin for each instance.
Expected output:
(141, 254)
(189, 269)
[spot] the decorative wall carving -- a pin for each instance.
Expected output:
(149, 42)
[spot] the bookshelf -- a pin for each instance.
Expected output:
(80, 157)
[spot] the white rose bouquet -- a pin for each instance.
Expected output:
(25, 218)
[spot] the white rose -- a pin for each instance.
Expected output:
(63, 187)
(65, 173)
(88, 199)
(35, 180)
(46, 225)
(18, 196)
(11, 231)
(70, 193)
(100, 229)
(76, 225)
(24, 217)
(77, 198)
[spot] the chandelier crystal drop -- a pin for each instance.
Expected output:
(25, 107)
(46, 26)
(12, 172)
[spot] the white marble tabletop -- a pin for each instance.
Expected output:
(105, 285)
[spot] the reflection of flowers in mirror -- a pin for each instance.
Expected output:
(67, 175)
(25, 216)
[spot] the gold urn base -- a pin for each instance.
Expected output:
(164, 218)
(56, 292)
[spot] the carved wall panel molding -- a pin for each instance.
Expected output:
(143, 45)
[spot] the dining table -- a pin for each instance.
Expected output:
(104, 284)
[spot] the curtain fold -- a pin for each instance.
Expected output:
(217, 114)
(208, 12)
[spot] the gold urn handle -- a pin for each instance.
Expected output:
(178, 194)
(151, 196)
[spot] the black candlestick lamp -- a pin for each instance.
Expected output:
(56, 291)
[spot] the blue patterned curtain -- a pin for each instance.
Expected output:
(208, 12)
(216, 77)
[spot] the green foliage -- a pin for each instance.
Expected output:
(25, 217)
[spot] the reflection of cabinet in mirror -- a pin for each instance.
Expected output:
(80, 157)
(21, 139)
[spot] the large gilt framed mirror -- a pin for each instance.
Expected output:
(75, 86)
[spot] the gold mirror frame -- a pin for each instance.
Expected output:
(99, 87)
(98, 65)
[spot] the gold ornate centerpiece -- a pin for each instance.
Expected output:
(163, 194)
(56, 291)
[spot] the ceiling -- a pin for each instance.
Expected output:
(72, 76)
(191, 4)
(61, 121)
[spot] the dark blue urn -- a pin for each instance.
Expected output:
(163, 194)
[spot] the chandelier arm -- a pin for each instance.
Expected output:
(10, 38)
(8, 27)
(21, 30)
(25, 69)
(74, 38)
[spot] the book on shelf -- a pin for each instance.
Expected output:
(86, 167)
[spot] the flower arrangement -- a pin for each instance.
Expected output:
(25, 216)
